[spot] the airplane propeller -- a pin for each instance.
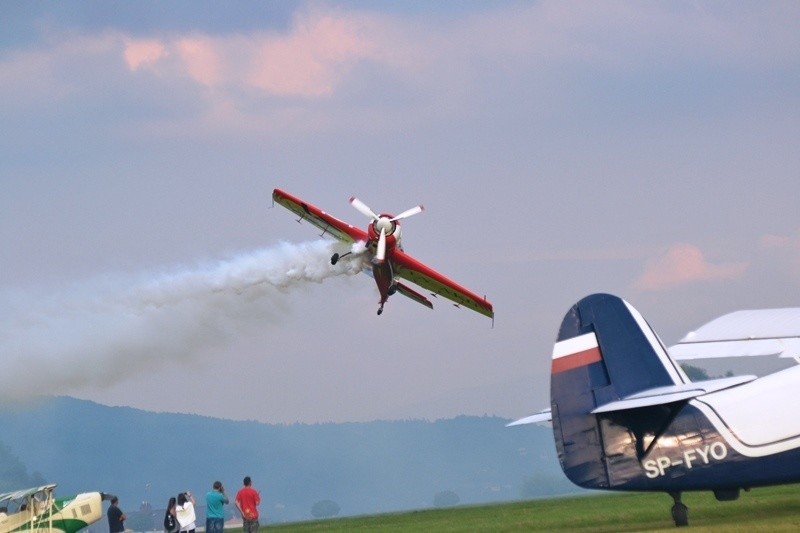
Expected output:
(383, 222)
(380, 253)
(409, 212)
(362, 208)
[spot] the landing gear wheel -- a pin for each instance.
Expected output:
(334, 259)
(380, 311)
(680, 513)
(392, 289)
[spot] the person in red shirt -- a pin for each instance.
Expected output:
(247, 501)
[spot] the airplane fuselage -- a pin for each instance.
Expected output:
(693, 452)
(627, 419)
(383, 270)
(66, 515)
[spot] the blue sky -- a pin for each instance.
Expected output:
(560, 149)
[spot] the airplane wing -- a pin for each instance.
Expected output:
(752, 333)
(327, 223)
(543, 417)
(409, 268)
(24, 493)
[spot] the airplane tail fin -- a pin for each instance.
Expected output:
(606, 358)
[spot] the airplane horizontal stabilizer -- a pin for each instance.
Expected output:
(542, 417)
(672, 393)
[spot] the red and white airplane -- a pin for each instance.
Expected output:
(384, 254)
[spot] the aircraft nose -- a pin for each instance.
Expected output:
(384, 224)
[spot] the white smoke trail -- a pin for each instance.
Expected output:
(100, 332)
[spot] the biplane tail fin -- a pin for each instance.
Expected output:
(606, 359)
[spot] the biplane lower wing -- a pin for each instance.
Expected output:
(329, 224)
(409, 268)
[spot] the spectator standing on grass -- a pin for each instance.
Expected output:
(185, 512)
(215, 512)
(171, 524)
(247, 501)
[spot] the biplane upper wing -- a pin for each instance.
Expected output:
(327, 223)
(750, 333)
(24, 493)
(409, 268)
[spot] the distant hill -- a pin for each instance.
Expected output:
(365, 468)
(14, 474)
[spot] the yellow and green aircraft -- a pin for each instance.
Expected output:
(37, 509)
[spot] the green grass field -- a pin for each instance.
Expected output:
(766, 509)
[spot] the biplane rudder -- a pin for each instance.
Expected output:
(605, 351)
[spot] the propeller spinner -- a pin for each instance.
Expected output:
(383, 224)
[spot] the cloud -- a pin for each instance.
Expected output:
(781, 242)
(312, 59)
(309, 60)
(682, 264)
(384, 69)
(140, 53)
(782, 251)
(201, 59)
(59, 71)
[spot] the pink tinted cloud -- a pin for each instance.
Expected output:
(682, 264)
(143, 53)
(780, 242)
(312, 59)
(201, 58)
(783, 251)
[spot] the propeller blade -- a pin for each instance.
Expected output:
(409, 212)
(362, 208)
(380, 254)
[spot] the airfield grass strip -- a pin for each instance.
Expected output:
(764, 509)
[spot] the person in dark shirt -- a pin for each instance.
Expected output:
(116, 518)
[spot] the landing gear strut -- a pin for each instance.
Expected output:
(680, 513)
(335, 257)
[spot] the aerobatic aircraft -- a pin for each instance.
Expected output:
(626, 417)
(382, 253)
(37, 509)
